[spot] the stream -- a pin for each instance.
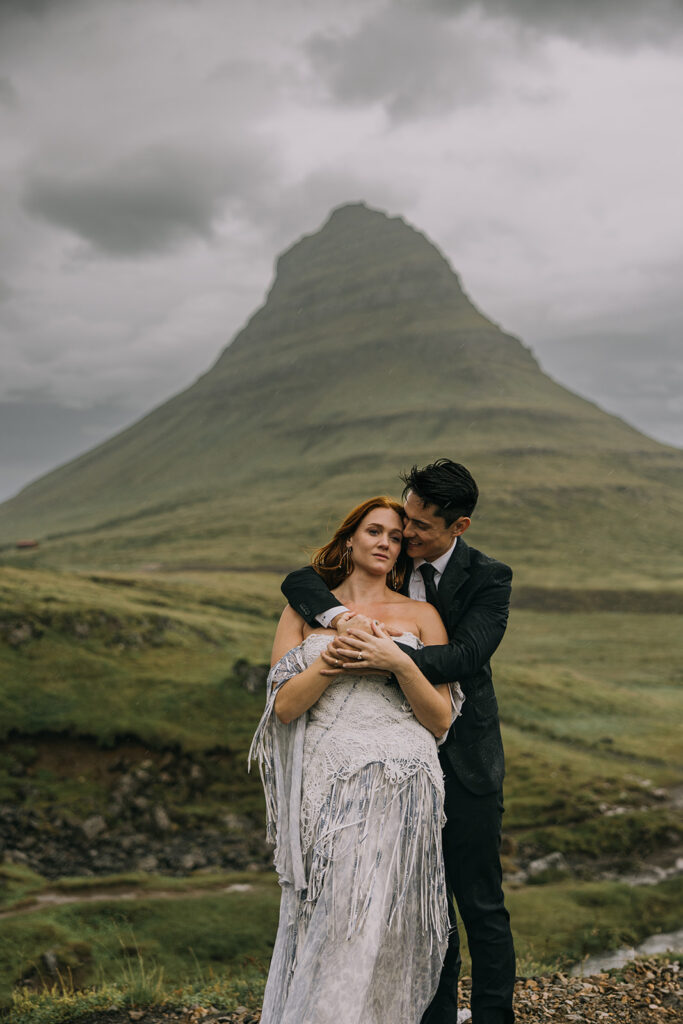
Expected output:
(669, 942)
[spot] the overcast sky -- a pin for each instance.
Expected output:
(157, 154)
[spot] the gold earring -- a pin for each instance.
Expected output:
(393, 577)
(347, 563)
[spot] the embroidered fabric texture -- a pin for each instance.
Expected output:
(357, 721)
(354, 796)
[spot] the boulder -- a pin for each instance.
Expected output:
(94, 826)
(555, 863)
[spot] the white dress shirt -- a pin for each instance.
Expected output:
(416, 585)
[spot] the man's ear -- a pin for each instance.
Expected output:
(461, 525)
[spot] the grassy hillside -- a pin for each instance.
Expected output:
(128, 637)
(366, 357)
(151, 657)
(99, 668)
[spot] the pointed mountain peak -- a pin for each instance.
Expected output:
(366, 357)
(363, 261)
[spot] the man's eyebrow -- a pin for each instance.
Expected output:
(418, 522)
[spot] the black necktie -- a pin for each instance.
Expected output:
(428, 572)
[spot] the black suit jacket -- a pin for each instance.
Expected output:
(474, 597)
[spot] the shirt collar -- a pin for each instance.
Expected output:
(439, 563)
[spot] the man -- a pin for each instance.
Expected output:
(472, 593)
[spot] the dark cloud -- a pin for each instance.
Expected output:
(8, 94)
(410, 61)
(416, 58)
(18, 11)
(151, 202)
(616, 22)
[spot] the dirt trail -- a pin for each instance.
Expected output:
(59, 897)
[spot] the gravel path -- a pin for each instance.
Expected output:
(643, 992)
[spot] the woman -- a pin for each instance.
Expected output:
(354, 796)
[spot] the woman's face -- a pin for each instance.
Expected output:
(376, 544)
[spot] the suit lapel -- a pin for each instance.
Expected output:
(455, 574)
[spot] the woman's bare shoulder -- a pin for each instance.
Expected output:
(289, 633)
(430, 622)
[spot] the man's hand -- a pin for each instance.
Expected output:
(357, 650)
(352, 620)
(346, 621)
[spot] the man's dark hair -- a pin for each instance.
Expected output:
(446, 485)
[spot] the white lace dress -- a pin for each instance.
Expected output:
(354, 795)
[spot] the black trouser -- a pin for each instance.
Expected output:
(471, 842)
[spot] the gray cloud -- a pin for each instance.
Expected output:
(519, 143)
(31, 8)
(8, 94)
(39, 434)
(419, 59)
(610, 22)
(152, 201)
(413, 62)
(306, 205)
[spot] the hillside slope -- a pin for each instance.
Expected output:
(366, 357)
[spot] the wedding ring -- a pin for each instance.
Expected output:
(359, 656)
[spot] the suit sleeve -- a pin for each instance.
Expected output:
(476, 636)
(308, 594)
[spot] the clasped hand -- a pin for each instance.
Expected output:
(358, 647)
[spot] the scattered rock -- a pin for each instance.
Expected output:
(148, 863)
(251, 677)
(161, 818)
(192, 860)
(94, 826)
(146, 816)
(50, 963)
(20, 634)
(555, 862)
(644, 992)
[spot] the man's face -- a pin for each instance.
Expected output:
(425, 534)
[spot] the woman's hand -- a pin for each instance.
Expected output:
(299, 693)
(374, 652)
(354, 620)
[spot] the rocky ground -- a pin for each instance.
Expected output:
(151, 811)
(151, 817)
(643, 992)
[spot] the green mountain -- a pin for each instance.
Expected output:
(366, 357)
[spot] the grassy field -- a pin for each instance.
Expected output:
(590, 703)
(221, 929)
(366, 358)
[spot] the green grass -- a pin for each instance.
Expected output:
(101, 663)
(189, 938)
(156, 950)
(357, 367)
(589, 701)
